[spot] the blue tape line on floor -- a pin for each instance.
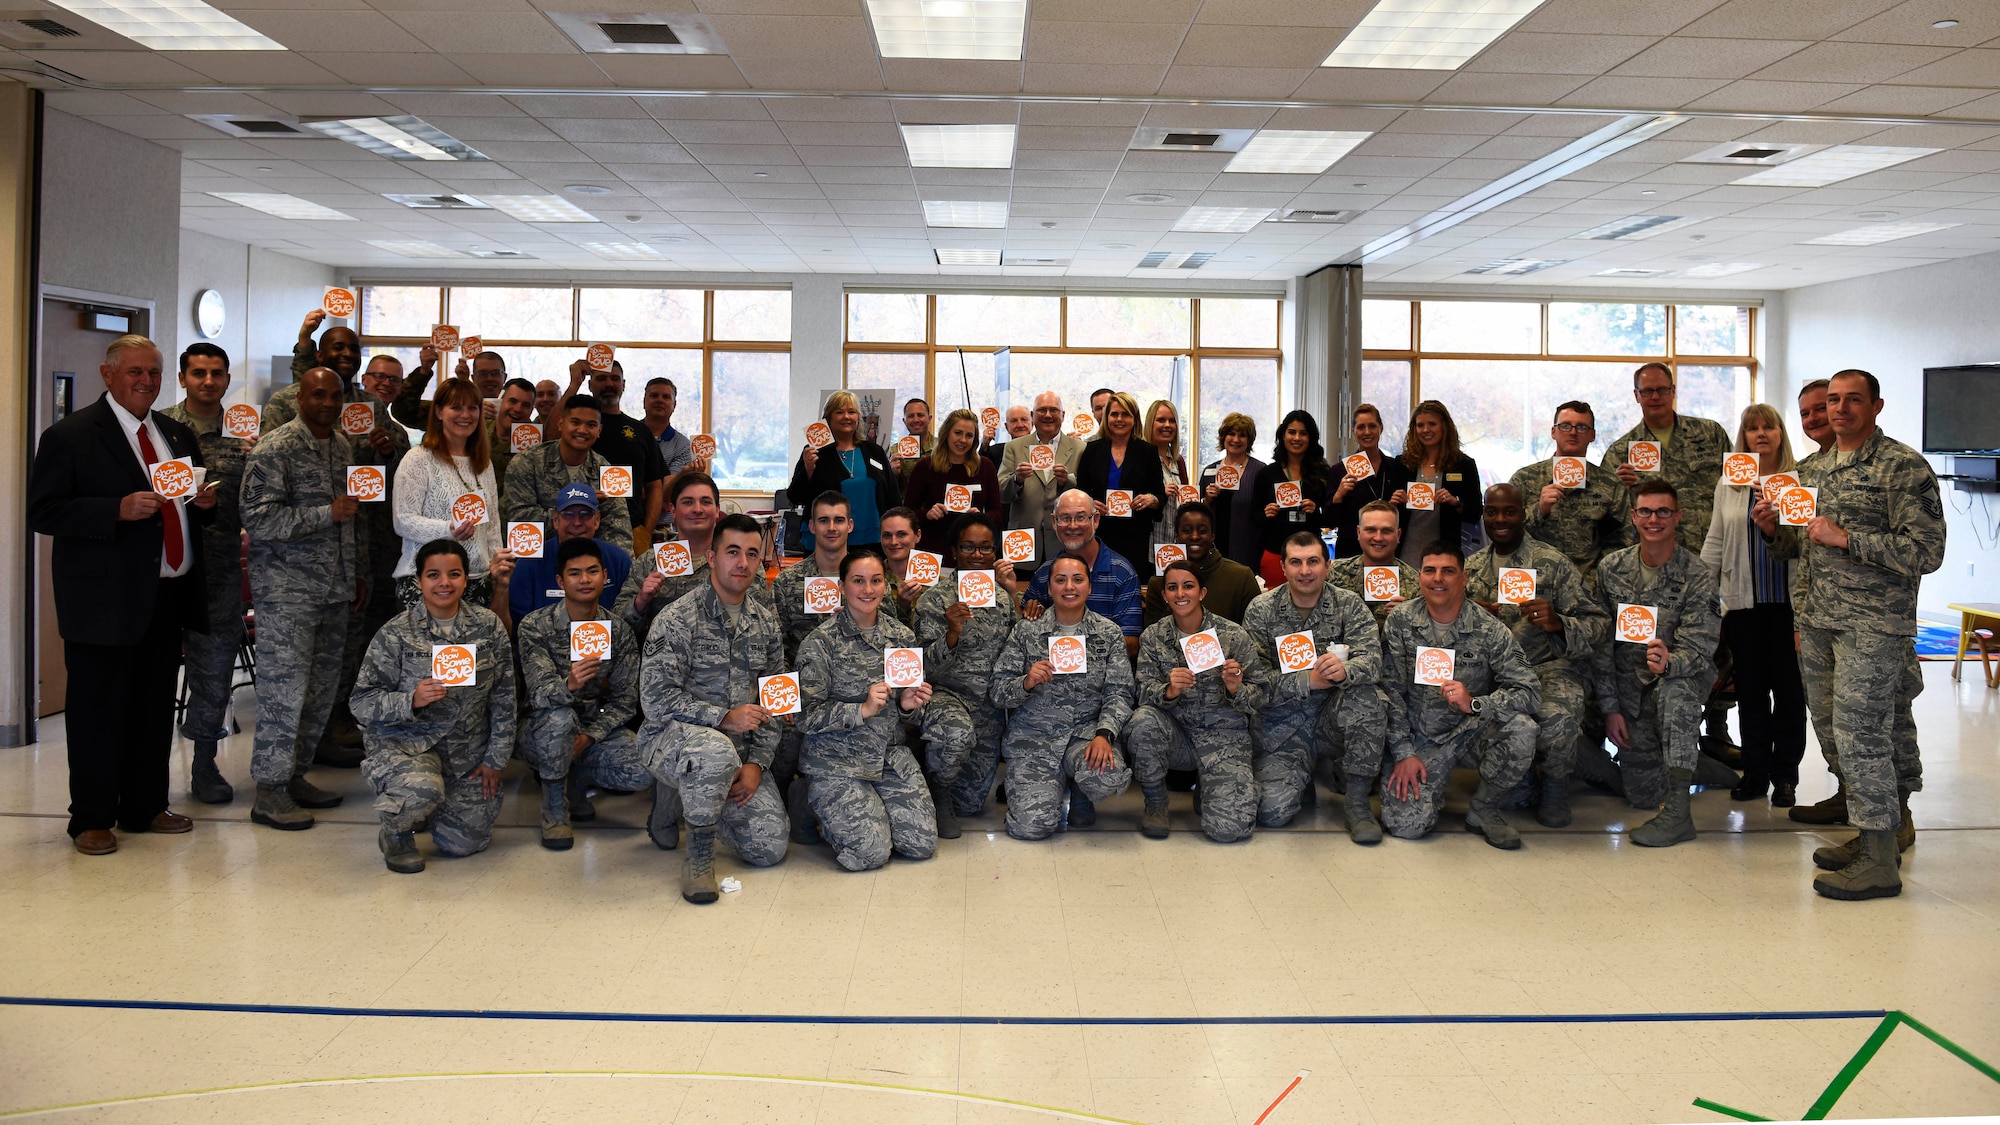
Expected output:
(967, 1021)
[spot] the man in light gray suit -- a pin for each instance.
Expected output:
(1031, 493)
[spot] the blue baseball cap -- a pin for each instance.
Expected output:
(576, 495)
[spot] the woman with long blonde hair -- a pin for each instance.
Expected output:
(1122, 460)
(1432, 455)
(953, 460)
(1163, 430)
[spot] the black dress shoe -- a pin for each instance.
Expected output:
(1784, 795)
(1749, 789)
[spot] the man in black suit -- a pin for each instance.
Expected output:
(128, 580)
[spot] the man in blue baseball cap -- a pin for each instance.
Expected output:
(534, 581)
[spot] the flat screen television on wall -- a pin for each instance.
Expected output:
(1962, 410)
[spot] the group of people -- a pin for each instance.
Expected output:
(1086, 611)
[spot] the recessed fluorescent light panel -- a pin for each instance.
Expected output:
(948, 29)
(1636, 227)
(1222, 220)
(438, 202)
(283, 206)
(1723, 269)
(398, 138)
(539, 208)
(173, 25)
(1878, 232)
(963, 257)
(1511, 267)
(415, 249)
(622, 251)
(964, 213)
(1294, 150)
(1427, 34)
(1832, 165)
(959, 146)
(1175, 259)
(496, 252)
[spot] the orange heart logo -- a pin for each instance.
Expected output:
(923, 567)
(1644, 456)
(673, 558)
(819, 435)
(1068, 655)
(1637, 623)
(1296, 652)
(615, 480)
(976, 588)
(365, 482)
(1517, 585)
(1041, 457)
(908, 446)
(444, 337)
(1228, 477)
(1289, 494)
(455, 665)
(1202, 651)
(1359, 466)
(1380, 583)
(1777, 483)
(779, 694)
(1019, 544)
(1434, 665)
(1570, 472)
(990, 416)
(822, 594)
(523, 436)
(1740, 469)
(1796, 505)
(1188, 494)
(471, 346)
(1083, 425)
(357, 419)
(1118, 502)
(241, 422)
(337, 302)
(703, 447)
(173, 479)
(1423, 497)
(903, 667)
(957, 498)
(588, 639)
(1168, 553)
(524, 540)
(600, 357)
(469, 508)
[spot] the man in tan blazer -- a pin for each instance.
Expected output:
(1031, 493)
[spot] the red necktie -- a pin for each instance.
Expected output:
(171, 524)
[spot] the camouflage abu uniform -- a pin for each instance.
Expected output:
(700, 663)
(211, 656)
(1501, 737)
(535, 477)
(303, 573)
(960, 726)
(1346, 718)
(554, 715)
(1691, 461)
(788, 595)
(419, 760)
(1347, 574)
(1053, 725)
(1204, 728)
(1561, 661)
(1587, 523)
(1857, 612)
(671, 590)
(1662, 712)
(865, 787)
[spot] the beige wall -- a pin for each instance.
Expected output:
(265, 294)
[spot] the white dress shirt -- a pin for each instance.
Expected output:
(174, 510)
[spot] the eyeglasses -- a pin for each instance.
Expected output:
(1074, 521)
(1655, 513)
(1654, 392)
(977, 549)
(1575, 428)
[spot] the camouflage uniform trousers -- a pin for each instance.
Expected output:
(1854, 680)
(1037, 763)
(1664, 728)
(1158, 742)
(299, 652)
(863, 821)
(698, 764)
(1565, 701)
(1503, 757)
(962, 747)
(1349, 726)
(211, 656)
(412, 787)
(1908, 759)
(545, 739)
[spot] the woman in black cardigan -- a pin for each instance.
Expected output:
(1351, 492)
(856, 468)
(1122, 459)
(1431, 454)
(1297, 457)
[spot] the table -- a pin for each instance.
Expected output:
(1972, 613)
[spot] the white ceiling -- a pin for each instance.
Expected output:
(821, 183)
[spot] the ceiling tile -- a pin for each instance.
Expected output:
(1855, 62)
(697, 72)
(394, 68)
(1687, 57)
(1786, 19)
(488, 32)
(1210, 44)
(1627, 17)
(969, 76)
(1086, 78)
(1641, 93)
(1129, 43)
(1470, 88)
(1232, 82)
(322, 31)
(1772, 97)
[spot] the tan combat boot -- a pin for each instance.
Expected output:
(1871, 875)
(698, 883)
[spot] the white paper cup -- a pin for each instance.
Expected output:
(200, 475)
(1339, 650)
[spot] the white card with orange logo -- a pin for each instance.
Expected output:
(1229, 478)
(1777, 483)
(1517, 585)
(1187, 494)
(977, 589)
(1289, 494)
(957, 498)
(1202, 651)
(902, 667)
(1041, 458)
(524, 539)
(1297, 652)
(1796, 505)
(1740, 469)
(1570, 472)
(615, 481)
(1168, 553)
(357, 419)
(1380, 583)
(819, 435)
(674, 558)
(1643, 456)
(1018, 545)
(1359, 466)
(588, 639)
(1420, 497)
(174, 479)
(1081, 426)
(242, 422)
(523, 436)
(600, 357)
(444, 337)
(990, 417)
(455, 665)
(779, 694)
(336, 301)
(1635, 623)
(1434, 665)
(471, 346)
(1118, 502)
(923, 568)
(469, 508)
(1068, 655)
(908, 446)
(822, 594)
(702, 446)
(366, 483)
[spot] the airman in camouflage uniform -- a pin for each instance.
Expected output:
(1053, 724)
(422, 761)
(1691, 462)
(788, 593)
(1856, 616)
(306, 568)
(960, 726)
(1204, 728)
(1499, 734)
(864, 786)
(671, 590)
(535, 477)
(554, 715)
(1347, 574)
(1586, 523)
(1347, 717)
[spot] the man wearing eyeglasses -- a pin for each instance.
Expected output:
(1115, 592)
(1583, 522)
(1030, 493)
(1691, 451)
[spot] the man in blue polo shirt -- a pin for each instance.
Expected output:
(1115, 591)
(534, 582)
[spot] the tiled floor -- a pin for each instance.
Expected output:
(1096, 924)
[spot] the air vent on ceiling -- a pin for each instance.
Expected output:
(237, 126)
(1191, 140)
(498, 254)
(1031, 260)
(439, 202)
(1625, 272)
(639, 33)
(1307, 215)
(50, 28)
(1754, 153)
(1165, 139)
(1175, 260)
(1512, 267)
(1636, 227)
(1764, 153)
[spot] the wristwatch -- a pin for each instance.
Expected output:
(1478, 705)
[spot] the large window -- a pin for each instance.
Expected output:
(1501, 367)
(728, 352)
(942, 348)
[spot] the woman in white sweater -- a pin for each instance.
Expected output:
(1757, 619)
(454, 462)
